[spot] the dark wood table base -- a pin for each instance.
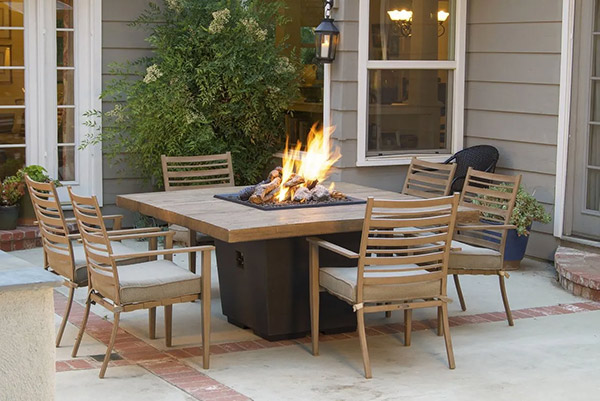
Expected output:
(264, 286)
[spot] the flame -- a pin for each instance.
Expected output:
(314, 163)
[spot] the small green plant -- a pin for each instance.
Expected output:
(36, 173)
(527, 210)
(218, 81)
(12, 190)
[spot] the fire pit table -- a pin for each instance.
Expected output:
(262, 255)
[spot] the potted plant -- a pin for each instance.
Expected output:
(36, 173)
(527, 210)
(11, 192)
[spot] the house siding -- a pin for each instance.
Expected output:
(121, 42)
(511, 97)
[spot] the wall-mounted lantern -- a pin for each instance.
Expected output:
(327, 36)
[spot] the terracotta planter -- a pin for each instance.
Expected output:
(8, 217)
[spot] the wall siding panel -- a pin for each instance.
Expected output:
(512, 90)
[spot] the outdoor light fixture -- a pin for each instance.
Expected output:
(327, 36)
(403, 20)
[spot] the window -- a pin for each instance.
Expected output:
(50, 74)
(410, 79)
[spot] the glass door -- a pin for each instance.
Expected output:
(12, 87)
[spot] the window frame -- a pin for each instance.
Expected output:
(457, 66)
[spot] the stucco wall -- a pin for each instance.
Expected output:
(27, 344)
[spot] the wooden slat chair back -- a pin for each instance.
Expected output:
(428, 180)
(189, 172)
(402, 264)
(494, 196)
(58, 250)
(102, 270)
(146, 285)
(480, 247)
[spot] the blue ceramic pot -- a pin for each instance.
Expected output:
(8, 217)
(516, 245)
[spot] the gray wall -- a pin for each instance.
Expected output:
(512, 88)
(120, 42)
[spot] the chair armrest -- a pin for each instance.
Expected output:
(204, 248)
(134, 231)
(486, 227)
(333, 247)
(141, 235)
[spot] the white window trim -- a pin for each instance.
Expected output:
(41, 102)
(458, 103)
(564, 112)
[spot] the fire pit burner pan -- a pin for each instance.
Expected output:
(291, 205)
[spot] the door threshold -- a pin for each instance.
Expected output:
(566, 239)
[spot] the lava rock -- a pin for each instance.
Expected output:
(319, 193)
(302, 194)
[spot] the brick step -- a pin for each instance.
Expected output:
(579, 271)
(24, 237)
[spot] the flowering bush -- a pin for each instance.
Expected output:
(218, 81)
(12, 190)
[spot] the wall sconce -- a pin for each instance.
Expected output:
(327, 36)
(403, 20)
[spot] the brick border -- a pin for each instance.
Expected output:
(167, 365)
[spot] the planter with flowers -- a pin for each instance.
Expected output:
(12, 190)
(36, 173)
(527, 210)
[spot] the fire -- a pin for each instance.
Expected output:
(313, 163)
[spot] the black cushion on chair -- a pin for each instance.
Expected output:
(480, 157)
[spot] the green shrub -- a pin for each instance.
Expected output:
(217, 82)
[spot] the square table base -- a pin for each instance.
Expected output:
(264, 286)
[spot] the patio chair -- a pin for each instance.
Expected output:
(480, 157)
(479, 248)
(193, 172)
(428, 180)
(62, 254)
(140, 285)
(394, 271)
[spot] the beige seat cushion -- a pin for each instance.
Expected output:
(341, 281)
(473, 257)
(81, 262)
(182, 234)
(155, 280)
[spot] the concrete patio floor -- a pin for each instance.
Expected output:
(551, 353)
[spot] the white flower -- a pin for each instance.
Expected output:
(284, 65)
(254, 29)
(220, 19)
(117, 113)
(152, 74)
(174, 5)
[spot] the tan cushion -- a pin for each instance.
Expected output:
(474, 257)
(155, 280)
(341, 281)
(81, 262)
(182, 235)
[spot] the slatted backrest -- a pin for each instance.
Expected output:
(428, 180)
(494, 196)
(406, 242)
(189, 172)
(102, 272)
(53, 228)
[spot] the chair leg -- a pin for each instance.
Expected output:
(314, 297)
(65, 318)
(461, 299)
(192, 255)
(111, 344)
(88, 304)
(388, 314)
(168, 325)
(505, 300)
(407, 326)
(362, 335)
(152, 323)
(206, 281)
(440, 329)
(446, 324)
